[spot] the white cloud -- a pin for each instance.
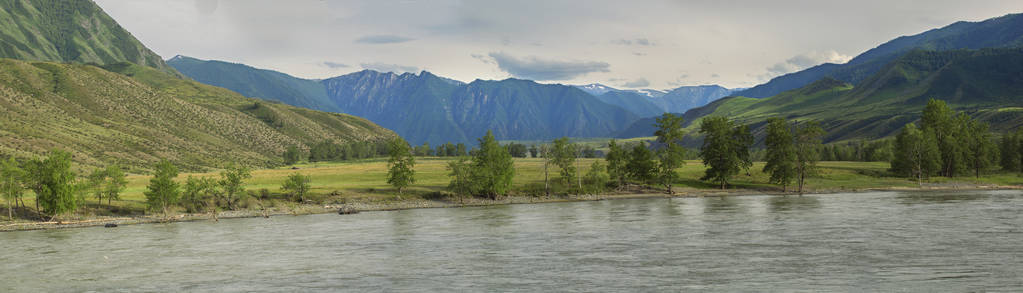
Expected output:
(388, 67)
(807, 60)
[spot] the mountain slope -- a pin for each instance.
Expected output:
(135, 116)
(257, 83)
(75, 31)
(684, 98)
(1000, 32)
(637, 103)
(987, 84)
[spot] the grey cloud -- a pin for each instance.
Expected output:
(641, 54)
(387, 67)
(335, 65)
(206, 7)
(637, 41)
(806, 60)
(640, 82)
(532, 67)
(382, 39)
(714, 75)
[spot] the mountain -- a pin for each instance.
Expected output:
(687, 97)
(1000, 32)
(258, 83)
(634, 102)
(649, 103)
(69, 31)
(428, 108)
(986, 83)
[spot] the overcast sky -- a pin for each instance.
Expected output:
(628, 44)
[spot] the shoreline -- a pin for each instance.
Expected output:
(419, 203)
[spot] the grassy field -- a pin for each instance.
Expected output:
(365, 181)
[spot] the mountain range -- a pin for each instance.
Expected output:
(1000, 32)
(428, 108)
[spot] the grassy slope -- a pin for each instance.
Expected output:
(135, 115)
(76, 31)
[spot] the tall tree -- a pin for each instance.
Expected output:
(642, 165)
(616, 158)
(563, 155)
(297, 185)
(980, 145)
(742, 138)
(11, 176)
(493, 168)
(596, 177)
(162, 191)
(939, 119)
(1011, 152)
(808, 143)
(56, 184)
(401, 165)
(719, 150)
(115, 183)
(199, 194)
(533, 151)
(96, 182)
(916, 153)
(671, 155)
(461, 177)
(545, 152)
(232, 184)
(780, 154)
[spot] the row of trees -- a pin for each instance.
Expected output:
(209, 194)
(792, 152)
(946, 143)
(58, 190)
(332, 151)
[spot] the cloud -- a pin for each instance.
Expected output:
(640, 54)
(335, 65)
(206, 7)
(532, 67)
(382, 39)
(806, 60)
(630, 42)
(714, 75)
(640, 82)
(387, 67)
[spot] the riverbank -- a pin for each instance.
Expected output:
(421, 203)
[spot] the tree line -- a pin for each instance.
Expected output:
(947, 143)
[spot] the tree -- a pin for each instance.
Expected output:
(596, 177)
(54, 181)
(916, 153)
(718, 151)
(563, 155)
(671, 155)
(1011, 151)
(116, 181)
(545, 152)
(199, 194)
(10, 184)
(297, 185)
(533, 151)
(742, 138)
(939, 119)
(517, 150)
(492, 167)
(232, 183)
(616, 158)
(96, 182)
(162, 190)
(808, 142)
(462, 182)
(981, 147)
(292, 155)
(401, 165)
(780, 154)
(642, 166)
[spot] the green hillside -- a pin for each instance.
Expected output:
(69, 31)
(987, 84)
(135, 116)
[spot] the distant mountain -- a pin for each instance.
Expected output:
(428, 108)
(73, 31)
(1000, 32)
(258, 83)
(986, 83)
(649, 103)
(634, 102)
(687, 97)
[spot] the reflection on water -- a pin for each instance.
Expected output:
(883, 241)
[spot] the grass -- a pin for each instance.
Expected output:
(364, 181)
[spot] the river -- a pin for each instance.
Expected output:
(884, 241)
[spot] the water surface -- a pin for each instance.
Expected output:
(908, 241)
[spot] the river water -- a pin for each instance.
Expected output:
(888, 241)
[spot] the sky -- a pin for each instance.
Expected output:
(659, 44)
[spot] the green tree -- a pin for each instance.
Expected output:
(115, 183)
(616, 158)
(1010, 150)
(96, 182)
(11, 188)
(56, 184)
(916, 153)
(232, 184)
(808, 142)
(939, 119)
(718, 151)
(981, 146)
(493, 168)
(780, 154)
(596, 177)
(563, 155)
(642, 166)
(533, 151)
(742, 138)
(517, 150)
(199, 194)
(162, 191)
(401, 165)
(671, 155)
(460, 171)
(297, 185)
(292, 155)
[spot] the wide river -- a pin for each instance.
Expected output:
(886, 241)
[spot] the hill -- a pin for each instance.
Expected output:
(1000, 32)
(69, 31)
(986, 83)
(135, 115)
